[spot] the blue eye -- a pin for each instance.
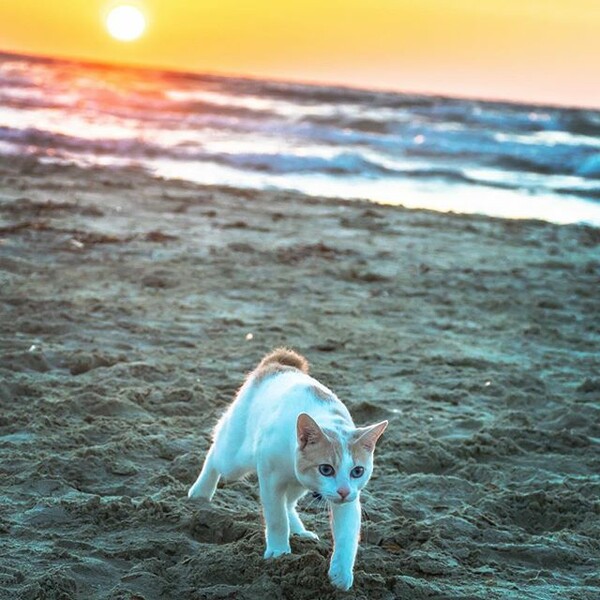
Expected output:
(357, 472)
(326, 470)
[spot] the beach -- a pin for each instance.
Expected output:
(134, 306)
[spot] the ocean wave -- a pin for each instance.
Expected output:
(43, 141)
(300, 93)
(583, 122)
(198, 107)
(27, 102)
(345, 163)
(365, 124)
(337, 164)
(590, 167)
(360, 163)
(17, 81)
(281, 163)
(527, 164)
(195, 114)
(586, 193)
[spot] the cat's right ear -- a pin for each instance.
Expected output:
(307, 430)
(367, 436)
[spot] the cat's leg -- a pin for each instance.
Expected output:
(345, 524)
(272, 496)
(206, 484)
(296, 525)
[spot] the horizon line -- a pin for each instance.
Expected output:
(308, 83)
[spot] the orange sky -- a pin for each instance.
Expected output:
(530, 50)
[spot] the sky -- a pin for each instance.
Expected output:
(541, 51)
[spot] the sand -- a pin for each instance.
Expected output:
(133, 307)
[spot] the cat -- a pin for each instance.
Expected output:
(298, 437)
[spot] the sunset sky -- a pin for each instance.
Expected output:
(544, 51)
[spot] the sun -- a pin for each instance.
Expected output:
(125, 23)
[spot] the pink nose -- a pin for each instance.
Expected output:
(343, 492)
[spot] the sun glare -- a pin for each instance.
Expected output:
(125, 23)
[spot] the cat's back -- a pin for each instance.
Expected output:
(266, 409)
(282, 388)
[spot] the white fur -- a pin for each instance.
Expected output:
(258, 433)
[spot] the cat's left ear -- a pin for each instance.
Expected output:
(367, 436)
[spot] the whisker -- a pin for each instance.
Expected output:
(315, 505)
(366, 521)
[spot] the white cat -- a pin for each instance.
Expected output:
(297, 436)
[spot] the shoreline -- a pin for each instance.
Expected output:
(473, 199)
(127, 302)
(139, 172)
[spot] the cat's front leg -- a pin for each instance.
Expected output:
(296, 525)
(345, 523)
(294, 493)
(272, 496)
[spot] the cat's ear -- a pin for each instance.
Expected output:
(307, 430)
(367, 436)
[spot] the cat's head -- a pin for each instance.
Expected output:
(335, 465)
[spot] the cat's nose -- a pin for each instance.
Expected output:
(343, 492)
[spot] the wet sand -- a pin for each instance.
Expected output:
(127, 304)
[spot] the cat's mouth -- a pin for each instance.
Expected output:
(338, 500)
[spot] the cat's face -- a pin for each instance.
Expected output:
(336, 466)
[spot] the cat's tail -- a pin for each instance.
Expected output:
(284, 357)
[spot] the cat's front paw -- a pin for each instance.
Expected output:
(340, 577)
(275, 551)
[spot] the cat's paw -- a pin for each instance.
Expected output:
(198, 498)
(309, 535)
(340, 577)
(274, 551)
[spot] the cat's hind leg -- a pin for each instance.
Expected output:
(206, 484)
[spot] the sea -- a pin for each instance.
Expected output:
(420, 151)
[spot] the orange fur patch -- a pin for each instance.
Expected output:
(268, 370)
(279, 361)
(323, 451)
(285, 356)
